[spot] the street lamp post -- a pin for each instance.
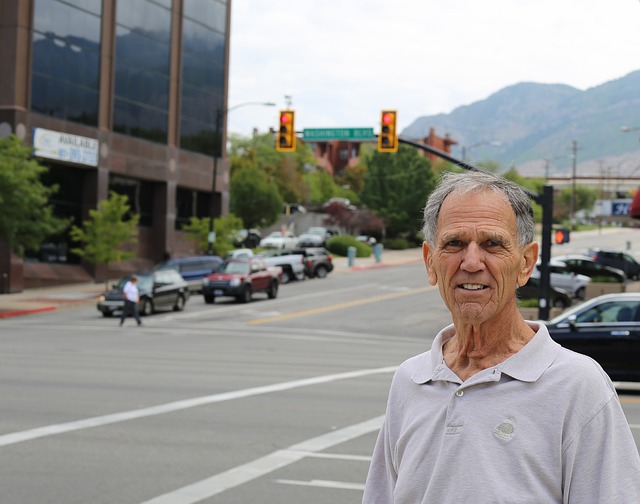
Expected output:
(217, 153)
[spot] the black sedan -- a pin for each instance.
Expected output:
(559, 298)
(159, 290)
(606, 328)
(585, 265)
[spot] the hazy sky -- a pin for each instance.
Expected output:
(342, 61)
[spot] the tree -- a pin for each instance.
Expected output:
(584, 200)
(396, 187)
(286, 170)
(26, 218)
(106, 231)
(254, 198)
(225, 229)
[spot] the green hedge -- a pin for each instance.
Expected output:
(339, 245)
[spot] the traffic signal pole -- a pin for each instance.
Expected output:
(545, 200)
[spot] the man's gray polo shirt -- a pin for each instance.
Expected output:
(544, 426)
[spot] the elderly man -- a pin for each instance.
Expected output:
(496, 411)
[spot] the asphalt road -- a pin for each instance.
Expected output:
(276, 401)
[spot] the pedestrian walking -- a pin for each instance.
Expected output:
(131, 298)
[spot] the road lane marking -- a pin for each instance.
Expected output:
(339, 456)
(339, 306)
(257, 468)
(99, 421)
(340, 485)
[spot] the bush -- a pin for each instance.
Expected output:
(397, 244)
(339, 245)
(528, 303)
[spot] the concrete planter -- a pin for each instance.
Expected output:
(595, 289)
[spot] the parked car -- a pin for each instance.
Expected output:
(559, 298)
(318, 262)
(280, 240)
(247, 238)
(159, 290)
(238, 254)
(315, 236)
(290, 260)
(369, 240)
(241, 278)
(606, 328)
(562, 277)
(193, 269)
(617, 259)
(585, 265)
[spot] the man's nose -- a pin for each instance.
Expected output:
(473, 258)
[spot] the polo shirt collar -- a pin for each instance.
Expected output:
(526, 365)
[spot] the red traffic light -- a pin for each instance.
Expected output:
(284, 118)
(562, 236)
(387, 118)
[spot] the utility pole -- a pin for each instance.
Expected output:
(572, 208)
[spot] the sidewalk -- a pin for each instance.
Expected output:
(50, 299)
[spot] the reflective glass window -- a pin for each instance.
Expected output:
(142, 68)
(203, 71)
(214, 11)
(134, 119)
(66, 59)
(146, 17)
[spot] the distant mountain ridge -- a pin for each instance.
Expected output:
(538, 122)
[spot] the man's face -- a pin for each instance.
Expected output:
(476, 261)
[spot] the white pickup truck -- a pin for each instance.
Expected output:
(292, 264)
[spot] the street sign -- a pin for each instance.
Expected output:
(326, 134)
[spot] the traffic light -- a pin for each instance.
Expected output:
(286, 141)
(387, 139)
(562, 236)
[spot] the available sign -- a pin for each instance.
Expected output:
(65, 147)
(326, 134)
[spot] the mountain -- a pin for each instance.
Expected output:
(538, 122)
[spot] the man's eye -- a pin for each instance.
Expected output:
(454, 243)
(493, 243)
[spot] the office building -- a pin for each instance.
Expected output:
(117, 95)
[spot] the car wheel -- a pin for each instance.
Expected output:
(273, 290)
(245, 297)
(107, 314)
(580, 293)
(146, 307)
(209, 299)
(321, 272)
(287, 276)
(559, 303)
(179, 306)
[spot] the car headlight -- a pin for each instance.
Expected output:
(234, 282)
(205, 281)
(100, 298)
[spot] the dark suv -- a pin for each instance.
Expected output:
(617, 259)
(193, 269)
(318, 262)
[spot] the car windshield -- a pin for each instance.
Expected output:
(236, 267)
(145, 282)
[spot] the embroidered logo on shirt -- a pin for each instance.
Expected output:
(505, 431)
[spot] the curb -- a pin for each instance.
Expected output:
(18, 313)
(385, 265)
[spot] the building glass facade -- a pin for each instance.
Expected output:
(66, 59)
(203, 74)
(143, 47)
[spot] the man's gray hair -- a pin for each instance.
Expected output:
(472, 181)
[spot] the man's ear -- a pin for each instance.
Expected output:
(428, 262)
(529, 260)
